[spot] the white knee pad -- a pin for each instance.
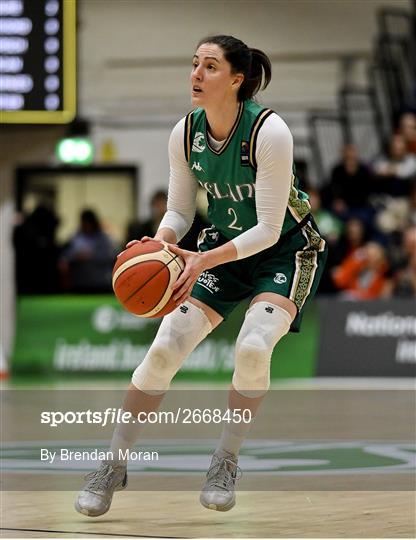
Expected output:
(263, 326)
(178, 335)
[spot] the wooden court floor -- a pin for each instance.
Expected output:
(370, 505)
(328, 514)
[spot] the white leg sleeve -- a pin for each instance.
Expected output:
(178, 335)
(263, 326)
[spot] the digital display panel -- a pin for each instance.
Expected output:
(37, 61)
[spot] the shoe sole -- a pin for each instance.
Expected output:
(218, 508)
(89, 513)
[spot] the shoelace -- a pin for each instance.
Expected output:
(222, 475)
(99, 480)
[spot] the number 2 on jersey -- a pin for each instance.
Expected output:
(233, 224)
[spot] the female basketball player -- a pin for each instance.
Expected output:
(262, 245)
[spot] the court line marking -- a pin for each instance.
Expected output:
(321, 383)
(92, 533)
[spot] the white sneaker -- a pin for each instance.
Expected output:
(218, 492)
(95, 499)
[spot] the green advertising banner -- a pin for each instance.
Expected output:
(62, 335)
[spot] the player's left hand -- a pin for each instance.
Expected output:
(194, 266)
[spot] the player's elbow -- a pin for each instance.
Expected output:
(270, 234)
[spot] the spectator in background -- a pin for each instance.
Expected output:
(350, 187)
(158, 206)
(407, 128)
(87, 262)
(362, 275)
(329, 225)
(353, 237)
(403, 281)
(409, 242)
(407, 248)
(397, 164)
(397, 213)
(37, 252)
(412, 203)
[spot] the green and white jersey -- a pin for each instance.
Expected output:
(228, 174)
(254, 203)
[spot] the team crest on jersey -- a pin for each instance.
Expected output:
(280, 278)
(244, 154)
(199, 142)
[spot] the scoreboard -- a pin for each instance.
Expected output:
(37, 61)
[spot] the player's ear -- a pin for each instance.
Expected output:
(238, 79)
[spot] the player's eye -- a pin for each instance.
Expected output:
(211, 66)
(194, 65)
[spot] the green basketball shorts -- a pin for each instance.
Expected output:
(293, 268)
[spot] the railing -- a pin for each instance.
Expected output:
(366, 116)
(362, 120)
(327, 136)
(377, 79)
(396, 56)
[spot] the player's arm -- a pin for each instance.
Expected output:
(166, 234)
(182, 191)
(274, 156)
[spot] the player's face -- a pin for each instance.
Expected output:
(212, 81)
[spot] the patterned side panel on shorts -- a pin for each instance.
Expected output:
(306, 265)
(315, 241)
(300, 208)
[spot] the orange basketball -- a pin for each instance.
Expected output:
(142, 277)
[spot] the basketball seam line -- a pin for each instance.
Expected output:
(173, 258)
(151, 277)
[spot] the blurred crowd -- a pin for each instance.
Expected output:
(367, 214)
(84, 263)
(365, 211)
